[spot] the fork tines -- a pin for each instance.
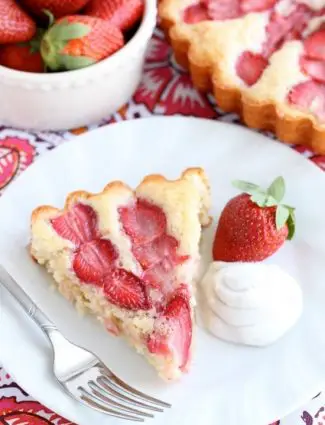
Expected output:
(111, 395)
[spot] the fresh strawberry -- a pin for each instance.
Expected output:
(21, 57)
(250, 67)
(78, 41)
(143, 222)
(15, 25)
(309, 95)
(94, 260)
(173, 331)
(126, 290)
(254, 224)
(78, 225)
(122, 13)
(58, 8)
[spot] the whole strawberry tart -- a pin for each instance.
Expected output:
(262, 58)
(130, 258)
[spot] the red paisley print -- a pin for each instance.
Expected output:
(166, 89)
(13, 412)
(15, 155)
(153, 85)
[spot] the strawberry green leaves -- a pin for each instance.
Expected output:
(56, 39)
(64, 31)
(272, 197)
(277, 189)
(78, 41)
(281, 216)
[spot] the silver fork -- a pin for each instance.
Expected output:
(83, 375)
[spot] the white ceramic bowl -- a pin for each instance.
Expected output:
(76, 98)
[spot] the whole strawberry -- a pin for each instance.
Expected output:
(15, 25)
(23, 56)
(58, 8)
(78, 41)
(122, 13)
(254, 224)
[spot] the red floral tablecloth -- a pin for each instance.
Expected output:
(166, 89)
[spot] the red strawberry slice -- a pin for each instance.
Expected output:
(124, 14)
(163, 247)
(143, 222)
(161, 277)
(173, 332)
(77, 225)
(182, 291)
(94, 260)
(250, 67)
(314, 68)
(195, 13)
(315, 45)
(257, 5)
(309, 95)
(223, 9)
(126, 290)
(282, 28)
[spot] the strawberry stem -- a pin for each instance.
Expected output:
(272, 197)
(50, 15)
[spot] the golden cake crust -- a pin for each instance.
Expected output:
(116, 188)
(288, 123)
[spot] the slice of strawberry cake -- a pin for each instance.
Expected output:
(130, 258)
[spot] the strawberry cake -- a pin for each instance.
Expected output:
(262, 58)
(131, 258)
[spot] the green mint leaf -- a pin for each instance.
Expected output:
(259, 199)
(247, 187)
(277, 189)
(281, 216)
(65, 31)
(75, 62)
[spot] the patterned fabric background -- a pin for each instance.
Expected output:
(166, 89)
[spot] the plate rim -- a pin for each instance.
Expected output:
(84, 139)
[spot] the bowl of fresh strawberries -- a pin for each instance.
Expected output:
(69, 63)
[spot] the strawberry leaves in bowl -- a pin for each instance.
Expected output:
(78, 41)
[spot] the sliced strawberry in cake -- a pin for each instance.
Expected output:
(130, 258)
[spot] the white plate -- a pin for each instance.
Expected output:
(228, 384)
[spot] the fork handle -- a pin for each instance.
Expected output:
(26, 303)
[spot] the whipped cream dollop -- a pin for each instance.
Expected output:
(249, 303)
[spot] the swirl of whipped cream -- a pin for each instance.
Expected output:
(249, 303)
